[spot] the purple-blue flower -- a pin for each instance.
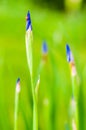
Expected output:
(28, 21)
(18, 80)
(44, 48)
(68, 53)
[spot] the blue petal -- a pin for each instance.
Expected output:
(18, 80)
(28, 21)
(68, 53)
(44, 47)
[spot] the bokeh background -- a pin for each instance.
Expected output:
(57, 22)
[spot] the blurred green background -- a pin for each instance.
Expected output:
(58, 22)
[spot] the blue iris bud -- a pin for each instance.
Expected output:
(28, 21)
(44, 48)
(68, 53)
(18, 80)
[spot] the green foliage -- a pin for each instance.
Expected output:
(54, 92)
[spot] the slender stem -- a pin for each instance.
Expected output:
(16, 110)
(35, 111)
(75, 105)
(35, 115)
(17, 91)
(74, 99)
(29, 39)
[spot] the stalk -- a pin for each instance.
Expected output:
(35, 110)
(29, 40)
(16, 103)
(75, 91)
(42, 62)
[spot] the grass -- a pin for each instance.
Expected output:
(54, 92)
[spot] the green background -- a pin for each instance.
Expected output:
(57, 28)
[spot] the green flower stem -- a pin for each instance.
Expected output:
(16, 111)
(16, 104)
(75, 101)
(35, 111)
(74, 104)
(75, 91)
(34, 86)
(73, 115)
(35, 115)
(35, 97)
(75, 88)
(30, 66)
